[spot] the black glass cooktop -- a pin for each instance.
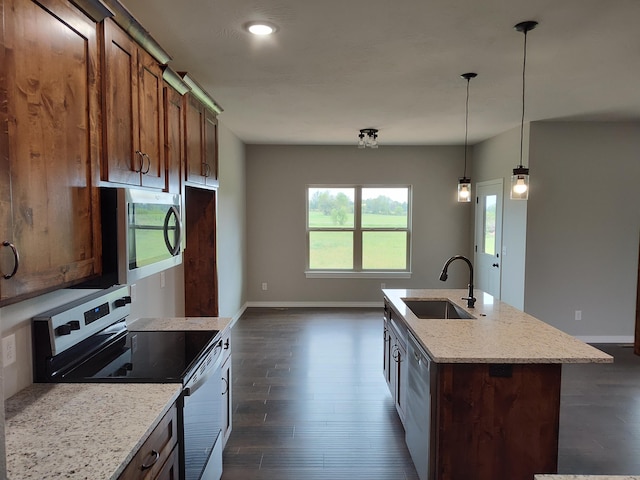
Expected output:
(144, 356)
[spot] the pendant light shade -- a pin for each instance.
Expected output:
(464, 183)
(520, 177)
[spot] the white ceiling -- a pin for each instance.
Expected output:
(336, 66)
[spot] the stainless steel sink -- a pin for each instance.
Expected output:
(436, 309)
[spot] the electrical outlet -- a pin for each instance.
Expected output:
(383, 285)
(264, 286)
(163, 280)
(133, 291)
(578, 314)
(9, 350)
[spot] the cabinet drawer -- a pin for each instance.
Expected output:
(153, 454)
(171, 468)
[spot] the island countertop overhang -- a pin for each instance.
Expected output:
(499, 333)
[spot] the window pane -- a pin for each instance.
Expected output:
(331, 207)
(384, 250)
(385, 207)
(490, 224)
(331, 250)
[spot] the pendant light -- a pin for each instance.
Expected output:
(464, 183)
(520, 177)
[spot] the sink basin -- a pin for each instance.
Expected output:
(436, 309)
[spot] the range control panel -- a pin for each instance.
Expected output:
(72, 322)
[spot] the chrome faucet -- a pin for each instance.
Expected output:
(471, 300)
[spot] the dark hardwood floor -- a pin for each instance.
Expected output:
(310, 402)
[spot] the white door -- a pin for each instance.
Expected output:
(488, 236)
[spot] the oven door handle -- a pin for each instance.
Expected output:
(191, 389)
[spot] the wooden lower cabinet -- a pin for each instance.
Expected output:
(496, 421)
(158, 457)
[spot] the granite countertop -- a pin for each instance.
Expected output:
(499, 333)
(51, 432)
(586, 477)
(180, 323)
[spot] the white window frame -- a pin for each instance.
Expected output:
(358, 230)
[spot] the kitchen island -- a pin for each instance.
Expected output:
(494, 386)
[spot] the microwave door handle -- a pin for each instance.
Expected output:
(173, 249)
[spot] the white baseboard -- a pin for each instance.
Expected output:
(316, 304)
(605, 338)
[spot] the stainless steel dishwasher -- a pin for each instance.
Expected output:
(419, 424)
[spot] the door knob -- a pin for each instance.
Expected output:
(495, 265)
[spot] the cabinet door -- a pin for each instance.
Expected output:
(211, 148)
(121, 163)
(51, 146)
(194, 133)
(151, 121)
(174, 139)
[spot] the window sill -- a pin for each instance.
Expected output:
(349, 274)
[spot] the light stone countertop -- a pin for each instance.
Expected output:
(500, 333)
(586, 477)
(180, 323)
(81, 431)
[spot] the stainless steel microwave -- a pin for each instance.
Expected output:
(141, 233)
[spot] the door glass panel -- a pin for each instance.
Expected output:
(490, 225)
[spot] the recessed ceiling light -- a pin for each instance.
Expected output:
(261, 28)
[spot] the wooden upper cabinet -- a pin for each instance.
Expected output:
(201, 133)
(133, 112)
(201, 127)
(49, 148)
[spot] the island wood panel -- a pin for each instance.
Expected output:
(490, 427)
(52, 145)
(199, 258)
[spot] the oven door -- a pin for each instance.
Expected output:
(202, 420)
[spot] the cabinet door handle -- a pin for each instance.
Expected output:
(144, 155)
(206, 169)
(141, 155)
(16, 259)
(155, 456)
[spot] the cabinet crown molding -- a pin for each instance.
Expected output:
(201, 94)
(130, 24)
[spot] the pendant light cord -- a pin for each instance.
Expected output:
(524, 66)
(466, 129)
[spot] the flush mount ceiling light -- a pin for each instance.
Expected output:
(368, 137)
(261, 28)
(464, 183)
(520, 177)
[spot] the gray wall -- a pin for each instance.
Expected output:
(276, 181)
(583, 226)
(232, 244)
(571, 249)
